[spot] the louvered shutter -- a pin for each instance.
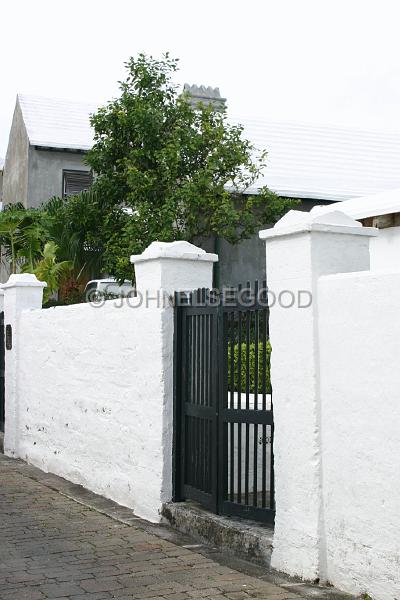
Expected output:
(76, 181)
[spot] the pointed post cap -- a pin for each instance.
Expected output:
(173, 267)
(175, 250)
(335, 221)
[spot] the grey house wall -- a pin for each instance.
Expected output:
(33, 175)
(15, 173)
(45, 178)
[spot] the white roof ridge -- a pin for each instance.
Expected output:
(25, 96)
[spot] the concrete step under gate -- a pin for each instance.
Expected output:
(239, 537)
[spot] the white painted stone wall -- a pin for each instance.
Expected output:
(336, 382)
(385, 249)
(89, 391)
(94, 391)
(298, 251)
(359, 333)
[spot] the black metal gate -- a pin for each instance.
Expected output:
(223, 448)
(2, 372)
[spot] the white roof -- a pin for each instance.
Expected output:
(322, 162)
(55, 123)
(375, 205)
(304, 161)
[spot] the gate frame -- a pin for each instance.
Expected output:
(266, 515)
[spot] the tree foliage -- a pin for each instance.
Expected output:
(164, 170)
(51, 241)
(22, 236)
(51, 271)
(182, 171)
(73, 223)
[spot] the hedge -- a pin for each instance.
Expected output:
(252, 361)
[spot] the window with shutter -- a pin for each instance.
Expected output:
(76, 181)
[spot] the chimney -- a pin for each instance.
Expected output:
(200, 94)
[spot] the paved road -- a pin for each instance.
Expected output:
(52, 546)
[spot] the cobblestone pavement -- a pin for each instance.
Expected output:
(52, 546)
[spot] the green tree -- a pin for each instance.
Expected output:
(22, 236)
(181, 171)
(25, 238)
(73, 224)
(49, 270)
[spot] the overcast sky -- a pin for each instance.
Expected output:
(324, 61)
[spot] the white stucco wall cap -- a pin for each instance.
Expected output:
(175, 250)
(23, 280)
(296, 221)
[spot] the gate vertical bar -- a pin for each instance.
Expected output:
(239, 402)
(232, 405)
(215, 404)
(255, 430)
(247, 455)
(222, 404)
(264, 403)
(176, 440)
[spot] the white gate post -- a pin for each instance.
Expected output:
(162, 269)
(299, 249)
(21, 292)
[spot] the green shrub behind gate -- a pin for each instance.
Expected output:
(252, 364)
